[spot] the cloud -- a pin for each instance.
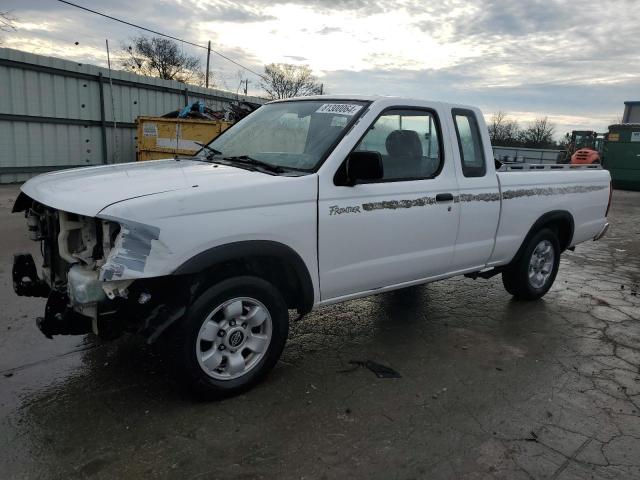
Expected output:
(233, 13)
(297, 58)
(518, 18)
(34, 26)
(328, 30)
(365, 7)
(568, 106)
(576, 63)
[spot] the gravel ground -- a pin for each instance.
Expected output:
(489, 387)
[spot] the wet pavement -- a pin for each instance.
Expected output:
(489, 387)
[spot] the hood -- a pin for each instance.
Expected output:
(88, 190)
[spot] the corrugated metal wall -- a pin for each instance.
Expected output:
(56, 114)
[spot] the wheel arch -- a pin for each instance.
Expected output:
(270, 260)
(561, 221)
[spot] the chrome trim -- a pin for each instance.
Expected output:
(522, 167)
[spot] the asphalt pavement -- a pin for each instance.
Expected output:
(488, 387)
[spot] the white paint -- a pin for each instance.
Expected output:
(373, 249)
(478, 219)
(198, 206)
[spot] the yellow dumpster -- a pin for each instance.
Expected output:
(159, 137)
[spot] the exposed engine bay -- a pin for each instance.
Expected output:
(83, 259)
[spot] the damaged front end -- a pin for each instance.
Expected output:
(94, 275)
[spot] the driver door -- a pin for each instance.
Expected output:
(400, 228)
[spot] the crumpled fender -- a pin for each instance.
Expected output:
(138, 252)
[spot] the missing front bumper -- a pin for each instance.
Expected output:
(60, 319)
(26, 282)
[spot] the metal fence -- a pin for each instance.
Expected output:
(528, 155)
(58, 114)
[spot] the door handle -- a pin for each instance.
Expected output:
(444, 197)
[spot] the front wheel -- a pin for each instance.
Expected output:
(533, 274)
(231, 337)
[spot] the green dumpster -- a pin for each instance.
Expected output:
(622, 155)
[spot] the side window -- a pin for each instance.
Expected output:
(409, 142)
(470, 143)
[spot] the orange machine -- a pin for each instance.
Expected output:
(585, 147)
(585, 156)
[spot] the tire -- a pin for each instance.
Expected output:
(210, 363)
(531, 276)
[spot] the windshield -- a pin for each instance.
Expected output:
(294, 135)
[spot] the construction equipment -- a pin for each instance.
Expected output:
(585, 147)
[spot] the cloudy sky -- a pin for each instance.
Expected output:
(574, 61)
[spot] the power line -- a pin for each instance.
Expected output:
(162, 35)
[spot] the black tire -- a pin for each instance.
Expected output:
(184, 349)
(515, 278)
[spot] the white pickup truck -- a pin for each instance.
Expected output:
(304, 203)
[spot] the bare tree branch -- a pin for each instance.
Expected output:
(506, 132)
(283, 80)
(502, 130)
(539, 134)
(6, 22)
(162, 58)
(565, 141)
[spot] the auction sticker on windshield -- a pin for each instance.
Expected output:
(339, 108)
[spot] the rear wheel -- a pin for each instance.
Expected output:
(232, 336)
(533, 274)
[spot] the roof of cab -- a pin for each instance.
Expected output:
(362, 98)
(376, 98)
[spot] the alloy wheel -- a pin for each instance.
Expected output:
(233, 338)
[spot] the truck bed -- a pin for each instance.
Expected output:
(528, 191)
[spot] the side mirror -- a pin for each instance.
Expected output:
(364, 166)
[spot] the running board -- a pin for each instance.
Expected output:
(484, 273)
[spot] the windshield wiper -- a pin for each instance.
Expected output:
(247, 160)
(211, 149)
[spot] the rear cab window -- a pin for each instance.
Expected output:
(469, 143)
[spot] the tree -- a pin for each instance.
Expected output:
(283, 80)
(6, 22)
(502, 130)
(161, 57)
(565, 141)
(539, 134)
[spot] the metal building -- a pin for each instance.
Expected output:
(58, 114)
(631, 112)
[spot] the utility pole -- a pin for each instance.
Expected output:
(206, 75)
(246, 86)
(114, 133)
(321, 88)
